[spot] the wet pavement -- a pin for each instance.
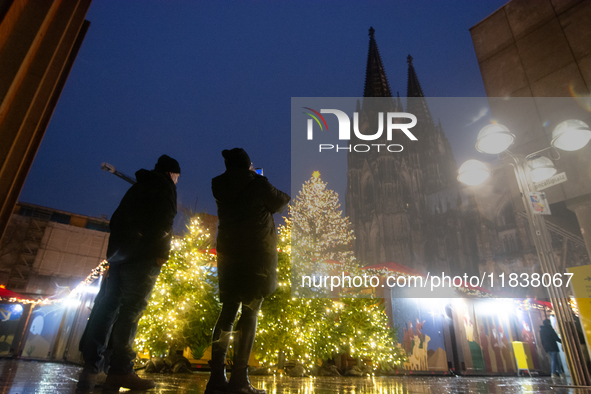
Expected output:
(21, 377)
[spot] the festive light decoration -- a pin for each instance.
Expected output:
(309, 330)
(184, 304)
(82, 287)
(95, 273)
(319, 233)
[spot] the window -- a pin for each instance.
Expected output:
(98, 226)
(60, 218)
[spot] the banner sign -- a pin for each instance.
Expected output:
(539, 203)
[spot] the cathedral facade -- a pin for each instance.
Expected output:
(409, 208)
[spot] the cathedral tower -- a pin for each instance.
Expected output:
(401, 204)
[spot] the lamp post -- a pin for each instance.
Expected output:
(110, 168)
(569, 135)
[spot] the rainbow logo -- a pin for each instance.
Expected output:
(315, 116)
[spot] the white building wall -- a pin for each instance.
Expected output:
(67, 254)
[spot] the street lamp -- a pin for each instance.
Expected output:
(569, 135)
(473, 173)
(540, 168)
(110, 168)
(494, 138)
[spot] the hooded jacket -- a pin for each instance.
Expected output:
(141, 227)
(549, 338)
(247, 238)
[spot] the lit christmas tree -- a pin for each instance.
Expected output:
(184, 305)
(308, 330)
(320, 234)
(300, 328)
(365, 334)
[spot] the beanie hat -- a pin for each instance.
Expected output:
(236, 158)
(167, 164)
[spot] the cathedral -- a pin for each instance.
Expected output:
(409, 208)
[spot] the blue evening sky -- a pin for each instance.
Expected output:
(190, 78)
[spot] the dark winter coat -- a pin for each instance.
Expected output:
(549, 338)
(247, 237)
(141, 227)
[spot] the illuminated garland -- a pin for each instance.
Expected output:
(96, 273)
(573, 305)
(93, 276)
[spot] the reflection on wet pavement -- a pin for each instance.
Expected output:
(21, 377)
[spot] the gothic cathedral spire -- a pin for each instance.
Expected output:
(416, 102)
(376, 83)
(414, 87)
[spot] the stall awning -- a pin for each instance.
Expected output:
(5, 293)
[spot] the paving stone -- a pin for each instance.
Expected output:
(23, 377)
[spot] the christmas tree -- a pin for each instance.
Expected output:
(299, 328)
(307, 330)
(184, 305)
(364, 332)
(321, 236)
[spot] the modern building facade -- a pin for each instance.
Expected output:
(46, 252)
(542, 49)
(39, 41)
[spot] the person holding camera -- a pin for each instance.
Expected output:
(247, 264)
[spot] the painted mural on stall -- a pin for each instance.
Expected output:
(484, 331)
(489, 330)
(45, 323)
(10, 315)
(420, 333)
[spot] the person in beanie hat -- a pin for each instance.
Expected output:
(247, 264)
(550, 340)
(139, 244)
(167, 164)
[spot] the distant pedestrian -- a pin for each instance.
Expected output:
(549, 340)
(139, 244)
(247, 264)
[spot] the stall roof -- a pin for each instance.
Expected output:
(395, 267)
(5, 293)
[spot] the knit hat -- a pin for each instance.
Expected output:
(167, 164)
(236, 158)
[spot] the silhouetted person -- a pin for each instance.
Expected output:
(139, 243)
(247, 264)
(549, 340)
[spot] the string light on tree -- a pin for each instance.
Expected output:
(184, 304)
(308, 330)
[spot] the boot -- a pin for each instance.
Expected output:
(217, 383)
(87, 380)
(129, 381)
(239, 383)
(243, 340)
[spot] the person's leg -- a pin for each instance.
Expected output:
(219, 347)
(554, 364)
(103, 315)
(243, 341)
(560, 367)
(94, 339)
(137, 282)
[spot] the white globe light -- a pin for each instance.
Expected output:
(540, 168)
(494, 138)
(473, 172)
(571, 135)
